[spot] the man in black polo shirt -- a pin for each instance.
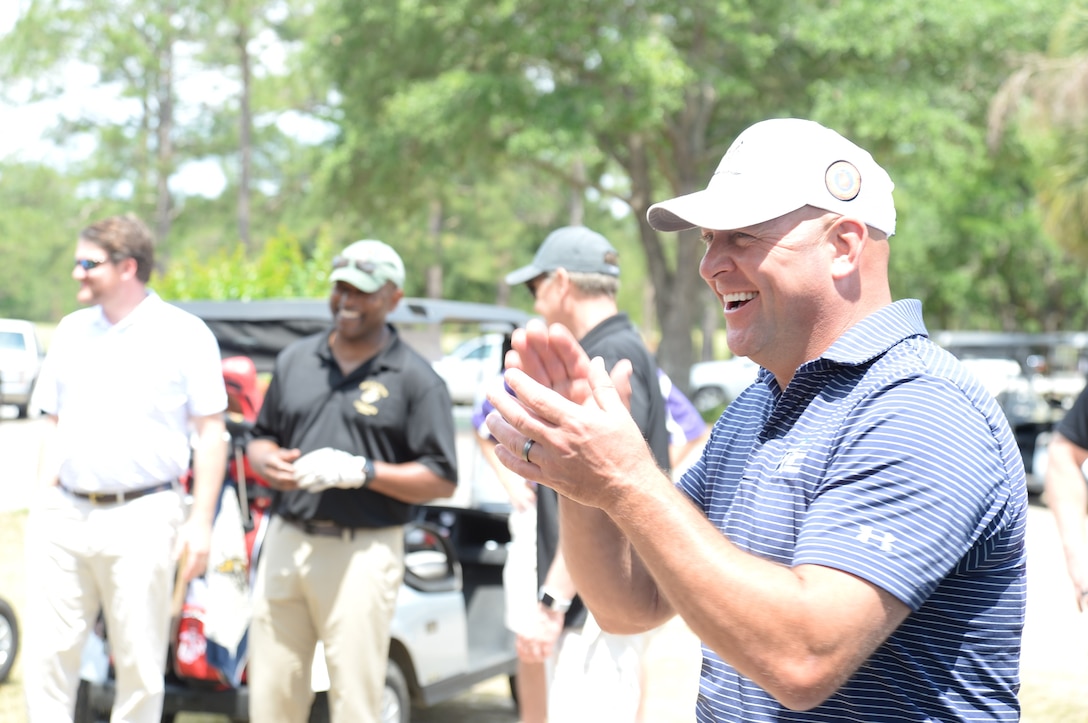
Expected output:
(356, 427)
(591, 675)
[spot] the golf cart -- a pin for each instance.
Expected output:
(447, 632)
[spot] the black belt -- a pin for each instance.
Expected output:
(322, 528)
(116, 498)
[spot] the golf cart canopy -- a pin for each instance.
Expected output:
(260, 329)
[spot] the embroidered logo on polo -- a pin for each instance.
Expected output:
(843, 180)
(790, 462)
(371, 392)
(872, 536)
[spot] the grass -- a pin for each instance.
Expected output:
(1044, 702)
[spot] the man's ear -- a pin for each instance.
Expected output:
(127, 267)
(848, 238)
(561, 277)
(395, 295)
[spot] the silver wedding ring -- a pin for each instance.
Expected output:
(525, 450)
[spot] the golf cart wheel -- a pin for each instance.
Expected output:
(9, 639)
(513, 680)
(396, 705)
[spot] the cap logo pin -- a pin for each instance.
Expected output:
(843, 180)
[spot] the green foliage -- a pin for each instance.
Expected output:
(42, 216)
(463, 131)
(1043, 106)
(283, 269)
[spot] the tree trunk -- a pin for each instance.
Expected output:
(676, 306)
(434, 233)
(245, 137)
(578, 194)
(165, 142)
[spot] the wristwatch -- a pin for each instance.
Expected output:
(368, 471)
(553, 603)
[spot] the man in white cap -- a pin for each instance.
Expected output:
(355, 429)
(850, 545)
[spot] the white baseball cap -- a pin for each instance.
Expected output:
(778, 166)
(367, 265)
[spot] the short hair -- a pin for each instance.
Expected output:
(124, 237)
(594, 284)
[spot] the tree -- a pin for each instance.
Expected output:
(135, 46)
(647, 95)
(43, 214)
(147, 53)
(1046, 100)
(464, 131)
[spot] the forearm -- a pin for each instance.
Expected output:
(410, 482)
(607, 575)
(1067, 498)
(557, 579)
(798, 632)
(209, 467)
(1067, 503)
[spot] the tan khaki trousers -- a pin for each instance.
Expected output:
(340, 591)
(82, 558)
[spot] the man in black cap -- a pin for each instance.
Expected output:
(591, 675)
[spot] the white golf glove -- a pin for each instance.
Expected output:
(327, 467)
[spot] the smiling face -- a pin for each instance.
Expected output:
(776, 285)
(360, 316)
(99, 284)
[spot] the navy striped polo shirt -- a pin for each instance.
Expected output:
(886, 459)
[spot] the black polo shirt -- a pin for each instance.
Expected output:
(394, 408)
(1074, 425)
(613, 339)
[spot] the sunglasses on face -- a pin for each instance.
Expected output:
(536, 283)
(367, 267)
(88, 264)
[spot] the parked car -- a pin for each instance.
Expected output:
(20, 361)
(715, 384)
(447, 631)
(471, 364)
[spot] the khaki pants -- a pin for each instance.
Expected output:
(339, 590)
(83, 558)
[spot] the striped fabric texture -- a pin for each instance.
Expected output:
(886, 459)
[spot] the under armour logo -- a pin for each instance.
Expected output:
(790, 461)
(869, 534)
